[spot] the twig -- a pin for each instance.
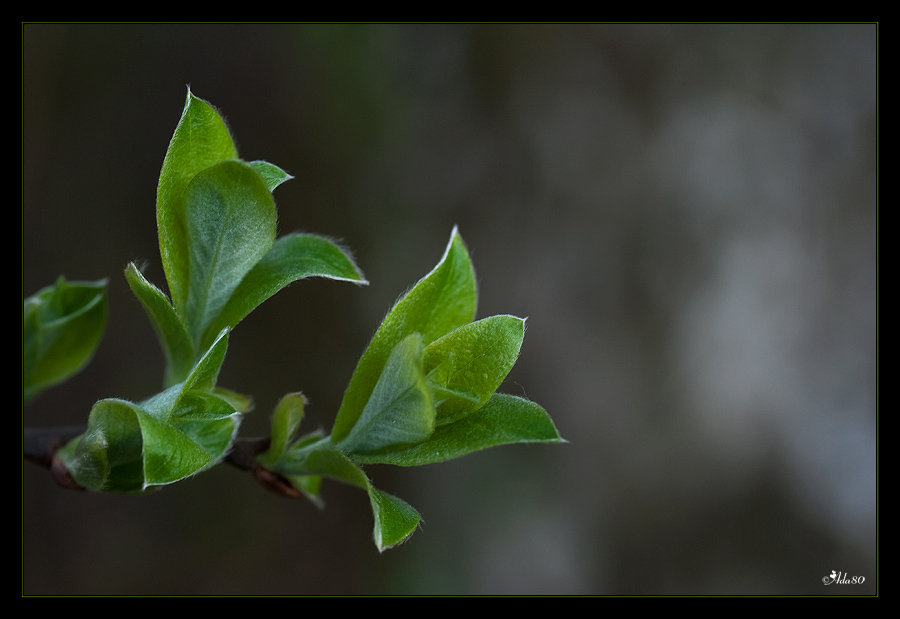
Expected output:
(39, 445)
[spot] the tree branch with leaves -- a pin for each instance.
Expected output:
(424, 390)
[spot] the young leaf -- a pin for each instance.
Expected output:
(271, 173)
(292, 257)
(129, 447)
(504, 420)
(285, 421)
(395, 520)
(467, 365)
(230, 224)
(108, 456)
(400, 410)
(201, 140)
(61, 329)
(170, 331)
(443, 300)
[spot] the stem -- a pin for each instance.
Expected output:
(39, 445)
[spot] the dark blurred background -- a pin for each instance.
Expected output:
(685, 213)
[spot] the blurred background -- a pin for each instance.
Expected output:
(685, 213)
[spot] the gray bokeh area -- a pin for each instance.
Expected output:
(686, 215)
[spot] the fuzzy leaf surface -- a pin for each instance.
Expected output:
(400, 409)
(170, 331)
(286, 420)
(292, 257)
(130, 447)
(201, 139)
(443, 300)
(230, 224)
(504, 420)
(271, 173)
(466, 366)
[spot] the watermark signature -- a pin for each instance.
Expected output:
(841, 578)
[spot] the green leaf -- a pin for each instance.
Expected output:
(108, 456)
(466, 366)
(240, 402)
(443, 300)
(286, 420)
(292, 257)
(169, 453)
(400, 410)
(395, 520)
(170, 331)
(201, 140)
(61, 329)
(230, 220)
(310, 486)
(177, 433)
(504, 420)
(271, 173)
(216, 220)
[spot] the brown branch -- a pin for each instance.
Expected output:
(39, 445)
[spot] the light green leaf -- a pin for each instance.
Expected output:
(466, 366)
(395, 519)
(170, 331)
(443, 300)
(271, 173)
(321, 457)
(286, 420)
(292, 257)
(229, 226)
(504, 420)
(61, 329)
(400, 410)
(168, 453)
(205, 374)
(201, 140)
(238, 401)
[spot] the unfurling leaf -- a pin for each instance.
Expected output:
(129, 448)
(201, 140)
(424, 390)
(443, 300)
(61, 329)
(400, 410)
